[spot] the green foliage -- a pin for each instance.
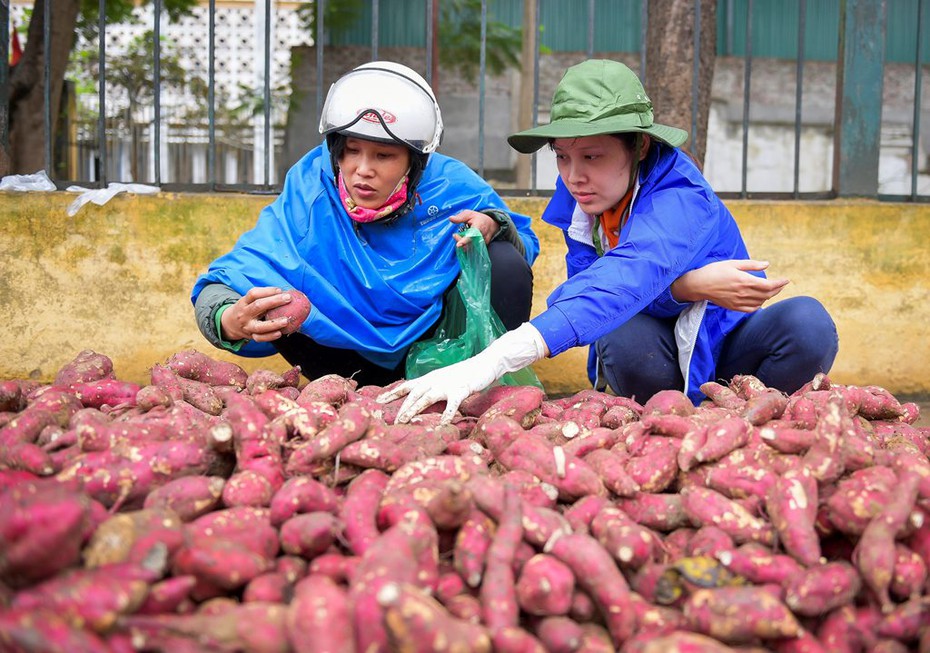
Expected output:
(459, 34)
(460, 39)
(338, 15)
(120, 11)
(132, 71)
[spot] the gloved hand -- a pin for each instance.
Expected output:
(511, 352)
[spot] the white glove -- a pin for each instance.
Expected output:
(511, 352)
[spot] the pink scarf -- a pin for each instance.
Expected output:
(360, 213)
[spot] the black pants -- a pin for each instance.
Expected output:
(511, 298)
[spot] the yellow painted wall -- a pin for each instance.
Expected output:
(116, 279)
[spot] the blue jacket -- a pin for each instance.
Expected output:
(676, 224)
(374, 288)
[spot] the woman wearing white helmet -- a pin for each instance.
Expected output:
(366, 226)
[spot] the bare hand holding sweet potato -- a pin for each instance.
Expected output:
(265, 314)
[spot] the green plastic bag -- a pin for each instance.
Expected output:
(469, 323)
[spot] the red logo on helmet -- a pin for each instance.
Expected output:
(371, 115)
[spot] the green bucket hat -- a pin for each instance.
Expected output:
(595, 97)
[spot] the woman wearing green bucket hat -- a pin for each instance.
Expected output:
(660, 283)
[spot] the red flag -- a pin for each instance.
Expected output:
(16, 50)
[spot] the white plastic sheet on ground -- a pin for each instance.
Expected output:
(101, 196)
(38, 181)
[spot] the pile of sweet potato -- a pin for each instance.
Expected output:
(215, 510)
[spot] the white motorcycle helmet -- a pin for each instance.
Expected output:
(387, 102)
(384, 101)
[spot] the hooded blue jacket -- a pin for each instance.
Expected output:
(374, 288)
(676, 224)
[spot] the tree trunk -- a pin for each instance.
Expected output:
(525, 112)
(670, 67)
(27, 86)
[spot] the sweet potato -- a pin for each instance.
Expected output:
(450, 584)
(53, 407)
(247, 488)
(106, 392)
(858, 497)
(632, 545)
(723, 437)
(245, 525)
(570, 475)
(42, 527)
(559, 634)
(87, 366)
(722, 395)
(349, 426)
(736, 476)
(256, 627)
(520, 403)
(225, 564)
(303, 422)
(301, 494)
(331, 389)
(497, 591)
(910, 573)
(791, 504)
(12, 397)
(319, 617)
(414, 621)
(532, 490)
(124, 476)
(747, 386)
(662, 512)
(309, 534)
(580, 514)
(472, 541)
(27, 457)
(153, 396)
(848, 628)
(406, 552)
(189, 496)
(27, 629)
(906, 621)
(389, 456)
(618, 415)
(132, 535)
(340, 568)
(539, 524)
(654, 465)
(764, 407)
(821, 588)
(296, 311)
(258, 444)
(545, 586)
(513, 639)
(94, 598)
(705, 507)
(360, 507)
(586, 415)
(197, 366)
(168, 595)
(665, 402)
(738, 615)
(596, 572)
(708, 540)
(199, 394)
(875, 554)
(785, 438)
(677, 640)
(293, 567)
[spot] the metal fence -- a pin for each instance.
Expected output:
(872, 155)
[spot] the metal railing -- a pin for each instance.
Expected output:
(202, 156)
